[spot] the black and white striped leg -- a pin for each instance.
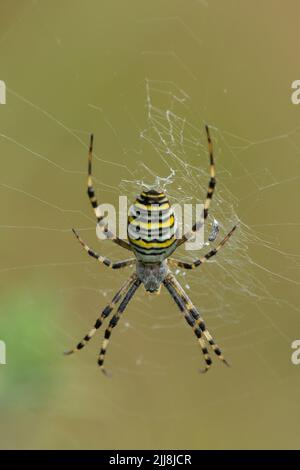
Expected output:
(92, 197)
(196, 315)
(210, 191)
(191, 322)
(203, 259)
(102, 259)
(105, 313)
(212, 180)
(114, 321)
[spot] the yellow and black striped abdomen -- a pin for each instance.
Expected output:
(152, 227)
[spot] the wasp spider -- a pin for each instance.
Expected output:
(152, 248)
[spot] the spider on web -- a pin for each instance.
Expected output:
(152, 217)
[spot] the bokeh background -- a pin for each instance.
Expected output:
(115, 68)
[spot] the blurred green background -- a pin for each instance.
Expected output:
(72, 67)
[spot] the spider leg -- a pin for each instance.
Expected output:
(191, 322)
(107, 310)
(195, 314)
(103, 259)
(210, 191)
(135, 283)
(92, 197)
(203, 259)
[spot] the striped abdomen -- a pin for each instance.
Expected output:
(152, 227)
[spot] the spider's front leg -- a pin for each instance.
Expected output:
(203, 259)
(105, 313)
(190, 321)
(102, 259)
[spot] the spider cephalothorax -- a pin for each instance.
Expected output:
(152, 239)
